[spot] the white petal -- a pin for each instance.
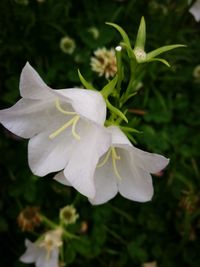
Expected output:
(105, 184)
(32, 86)
(27, 117)
(118, 137)
(87, 103)
(47, 155)
(149, 162)
(136, 184)
(52, 261)
(31, 253)
(195, 10)
(81, 167)
(60, 177)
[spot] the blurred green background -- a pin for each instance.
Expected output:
(119, 233)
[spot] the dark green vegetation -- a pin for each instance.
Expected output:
(120, 233)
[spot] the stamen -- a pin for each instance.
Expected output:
(58, 106)
(76, 119)
(115, 154)
(62, 128)
(105, 159)
(114, 158)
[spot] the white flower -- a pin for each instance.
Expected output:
(195, 10)
(68, 215)
(44, 252)
(64, 127)
(123, 168)
(104, 62)
(67, 45)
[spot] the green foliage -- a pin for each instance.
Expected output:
(120, 233)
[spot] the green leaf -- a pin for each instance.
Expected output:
(122, 32)
(109, 87)
(85, 83)
(162, 49)
(161, 60)
(116, 111)
(129, 129)
(141, 35)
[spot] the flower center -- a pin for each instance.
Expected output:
(73, 121)
(111, 152)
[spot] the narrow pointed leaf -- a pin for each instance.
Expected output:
(109, 87)
(141, 35)
(116, 111)
(131, 138)
(122, 32)
(161, 60)
(85, 83)
(129, 129)
(161, 50)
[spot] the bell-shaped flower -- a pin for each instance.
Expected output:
(63, 126)
(123, 168)
(45, 251)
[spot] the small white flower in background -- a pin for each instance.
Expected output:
(196, 73)
(123, 168)
(65, 128)
(67, 45)
(94, 31)
(45, 251)
(104, 62)
(68, 215)
(150, 264)
(195, 10)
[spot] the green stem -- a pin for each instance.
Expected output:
(53, 225)
(119, 68)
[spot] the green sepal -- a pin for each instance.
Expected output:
(130, 137)
(109, 87)
(162, 49)
(85, 83)
(161, 60)
(116, 111)
(129, 129)
(141, 35)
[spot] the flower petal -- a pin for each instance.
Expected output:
(31, 253)
(87, 103)
(47, 155)
(32, 86)
(27, 117)
(118, 137)
(51, 261)
(149, 162)
(86, 153)
(136, 184)
(60, 177)
(195, 10)
(105, 184)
